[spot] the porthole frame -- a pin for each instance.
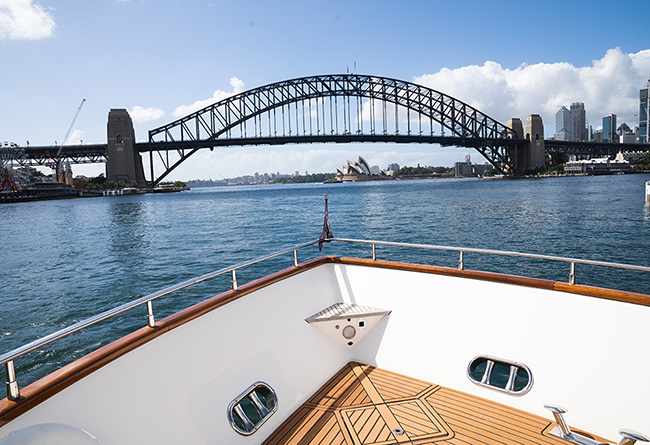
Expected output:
(264, 416)
(485, 381)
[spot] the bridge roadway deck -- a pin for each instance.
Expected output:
(96, 153)
(445, 141)
(77, 154)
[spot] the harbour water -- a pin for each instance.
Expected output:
(67, 260)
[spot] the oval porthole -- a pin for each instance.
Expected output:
(501, 375)
(252, 408)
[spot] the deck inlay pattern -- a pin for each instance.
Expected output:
(364, 405)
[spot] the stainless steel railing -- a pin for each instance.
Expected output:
(572, 261)
(8, 358)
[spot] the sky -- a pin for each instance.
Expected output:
(165, 58)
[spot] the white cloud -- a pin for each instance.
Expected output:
(237, 87)
(139, 114)
(75, 138)
(610, 85)
(24, 20)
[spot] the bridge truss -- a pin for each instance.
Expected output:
(75, 154)
(333, 108)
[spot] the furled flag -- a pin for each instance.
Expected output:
(327, 231)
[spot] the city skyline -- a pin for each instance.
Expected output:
(163, 61)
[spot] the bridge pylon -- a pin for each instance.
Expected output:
(515, 153)
(124, 163)
(535, 156)
(529, 155)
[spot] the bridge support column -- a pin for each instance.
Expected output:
(516, 154)
(535, 134)
(124, 162)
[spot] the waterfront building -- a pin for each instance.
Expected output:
(598, 166)
(463, 169)
(361, 171)
(467, 170)
(563, 124)
(609, 128)
(643, 115)
(578, 122)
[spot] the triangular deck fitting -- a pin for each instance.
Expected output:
(347, 323)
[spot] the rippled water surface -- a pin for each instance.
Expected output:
(64, 261)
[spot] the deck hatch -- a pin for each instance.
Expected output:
(503, 375)
(252, 408)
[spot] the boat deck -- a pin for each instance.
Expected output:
(364, 405)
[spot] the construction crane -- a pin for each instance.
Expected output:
(56, 163)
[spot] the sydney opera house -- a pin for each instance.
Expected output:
(361, 171)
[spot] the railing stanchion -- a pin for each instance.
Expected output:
(234, 279)
(374, 252)
(295, 258)
(572, 273)
(13, 392)
(151, 322)
(461, 265)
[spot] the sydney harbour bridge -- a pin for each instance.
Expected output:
(339, 108)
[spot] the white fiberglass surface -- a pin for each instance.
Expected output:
(177, 387)
(586, 354)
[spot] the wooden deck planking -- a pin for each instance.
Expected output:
(392, 386)
(492, 428)
(470, 410)
(361, 405)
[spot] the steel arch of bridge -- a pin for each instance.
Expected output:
(331, 108)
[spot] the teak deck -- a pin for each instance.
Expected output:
(364, 405)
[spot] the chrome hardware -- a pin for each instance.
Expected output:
(374, 253)
(488, 372)
(13, 392)
(151, 322)
(461, 265)
(558, 412)
(398, 431)
(511, 378)
(572, 273)
(250, 426)
(486, 377)
(630, 437)
(234, 279)
(258, 411)
(258, 403)
(295, 258)
(564, 432)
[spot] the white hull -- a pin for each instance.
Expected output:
(587, 354)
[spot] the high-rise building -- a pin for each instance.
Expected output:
(562, 124)
(609, 128)
(643, 115)
(578, 122)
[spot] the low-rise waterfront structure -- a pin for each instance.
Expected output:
(466, 169)
(598, 166)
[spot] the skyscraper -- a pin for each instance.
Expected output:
(562, 124)
(609, 128)
(578, 122)
(643, 115)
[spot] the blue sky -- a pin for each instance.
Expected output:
(158, 58)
